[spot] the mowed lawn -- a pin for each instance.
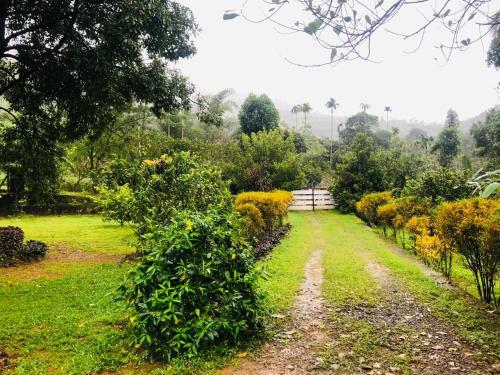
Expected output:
(88, 233)
(70, 322)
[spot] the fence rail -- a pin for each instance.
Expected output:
(303, 200)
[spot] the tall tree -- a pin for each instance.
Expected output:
(306, 108)
(387, 109)
(69, 67)
(295, 110)
(331, 104)
(447, 144)
(365, 107)
(258, 113)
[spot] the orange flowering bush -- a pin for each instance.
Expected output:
(472, 228)
(273, 206)
(368, 205)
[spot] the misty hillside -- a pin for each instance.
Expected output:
(320, 123)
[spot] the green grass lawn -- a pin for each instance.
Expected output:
(70, 324)
(76, 232)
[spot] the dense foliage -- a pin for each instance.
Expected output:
(440, 229)
(265, 161)
(258, 113)
(195, 287)
(11, 244)
(68, 68)
(163, 187)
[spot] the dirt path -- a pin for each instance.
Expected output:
(396, 334)
(294, 350)
(409, 330)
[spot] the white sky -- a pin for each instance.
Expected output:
(251, 58)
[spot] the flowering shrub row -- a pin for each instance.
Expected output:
(469, 227)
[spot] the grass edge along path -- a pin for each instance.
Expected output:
(466, 316)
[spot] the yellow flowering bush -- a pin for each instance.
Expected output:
(368, 204)
(386, 215)
(253, 223)
(273, 206)
(471, 227)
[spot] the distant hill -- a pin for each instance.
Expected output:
(320, 123)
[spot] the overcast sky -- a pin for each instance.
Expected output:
(251, 58)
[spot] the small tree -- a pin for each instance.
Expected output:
(472, 228)
(258, 113)
(447, 144)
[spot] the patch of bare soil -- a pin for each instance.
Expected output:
(408, 333)
(4, 359)
(294, 350)
(58, 262)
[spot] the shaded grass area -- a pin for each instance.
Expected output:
(468, 318)
(76, 232)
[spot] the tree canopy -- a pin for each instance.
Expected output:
(69, 67)
(258, 113)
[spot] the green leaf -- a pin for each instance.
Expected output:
(368, 19)
(472, 15)
(379, 3)
(347, 19)
(333, 53)
(229, 16)
(313, 26)
(490, 190)
(446, 13)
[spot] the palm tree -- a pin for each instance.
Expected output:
(388, 109)
(295, 110)
(331, 104)
(365, 107)
(306, 108)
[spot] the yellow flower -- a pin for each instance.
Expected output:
(150, 163)
(189, 225)
(133, 319)
(233, 256)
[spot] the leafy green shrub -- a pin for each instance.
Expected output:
(439, 185)
(175, 183)
(11, 244)
(34, 250)
(116, 204)
(196, 286)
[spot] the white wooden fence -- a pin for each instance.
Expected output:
(303, 200)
